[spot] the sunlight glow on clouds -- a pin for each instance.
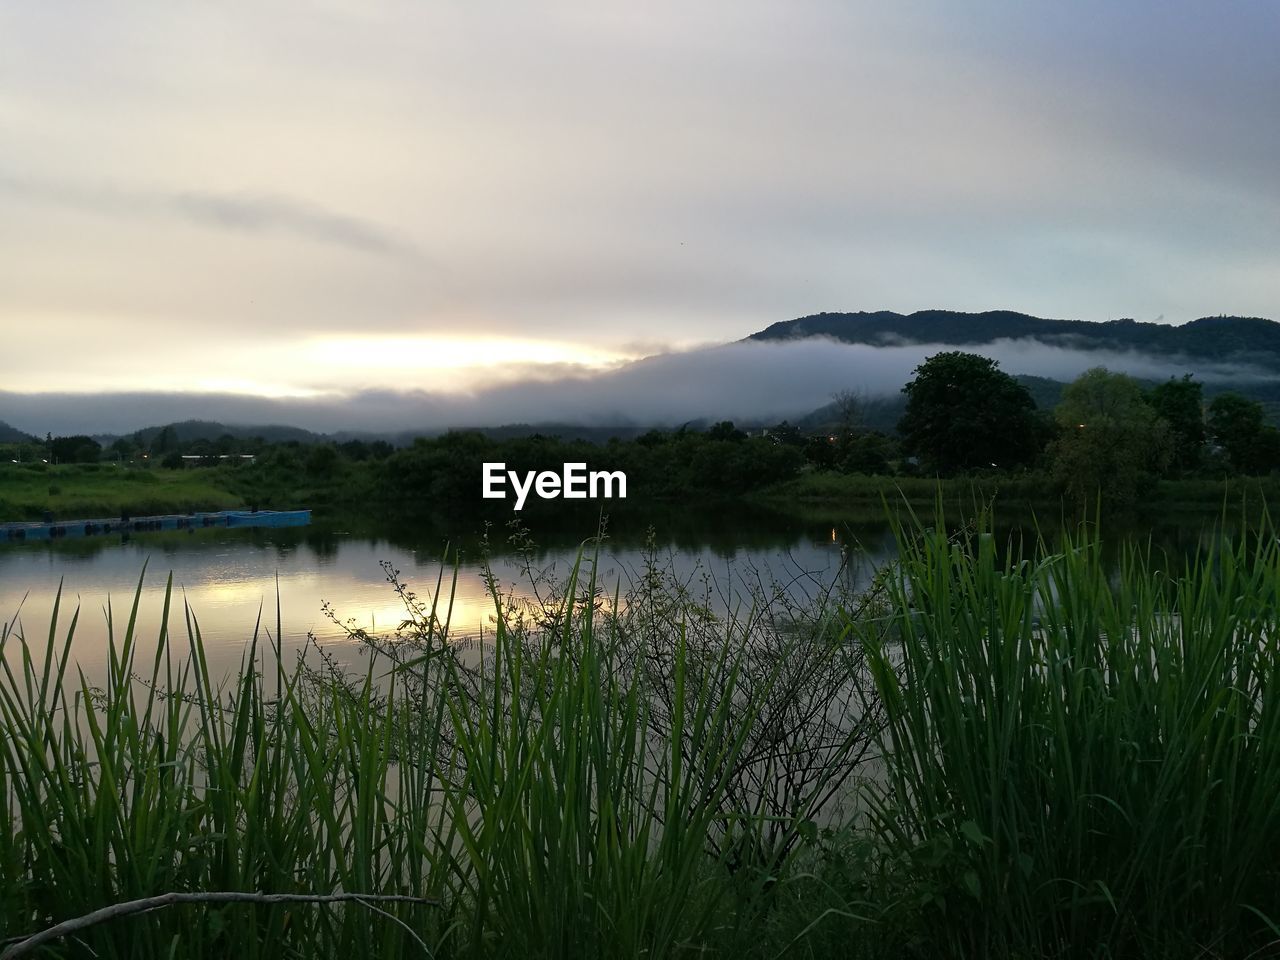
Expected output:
(190, 192)
(465, 357)
(328, 366)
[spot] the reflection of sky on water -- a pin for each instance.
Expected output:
(228, 576)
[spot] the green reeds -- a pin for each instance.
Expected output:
(1083, 761)
(161, 781)
(1080, 757)
(526, 798)
(575, 832)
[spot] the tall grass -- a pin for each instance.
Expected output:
(1083, 761)
(1045, 754)
(528, 798)
(160, 780)
(575, 832)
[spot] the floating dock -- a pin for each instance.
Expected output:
(57, 529)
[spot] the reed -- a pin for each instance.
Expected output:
(426, 807)
(1083, 761)
(1002, 750)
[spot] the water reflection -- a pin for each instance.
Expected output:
(230, 577)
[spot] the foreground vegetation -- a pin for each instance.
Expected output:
(995, 750)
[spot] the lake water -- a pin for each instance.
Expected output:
(229, 577)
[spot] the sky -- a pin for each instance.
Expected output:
(314, 201)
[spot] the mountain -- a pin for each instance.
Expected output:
(188, 431)
(1252, 339)
(10, 434)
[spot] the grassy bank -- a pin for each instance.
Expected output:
(990, 753)
(825, 488)
(77, 491)
(82, 491)
(346, 488)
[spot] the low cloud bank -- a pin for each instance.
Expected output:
(745, 381)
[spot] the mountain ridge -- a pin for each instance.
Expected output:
(1220, 338)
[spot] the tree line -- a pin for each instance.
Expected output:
(963, 416)
(1107, 434)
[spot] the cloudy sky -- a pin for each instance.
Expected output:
(302, 199)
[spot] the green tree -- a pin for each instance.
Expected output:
(725, 430)
(77, 449)
(166, 441)
(1239, 426)
(786, 434)
(964, 413)
(123, 449)
(322, 460)
(1111, 441)
(1180, 404)
(868, 453)
(820, 451)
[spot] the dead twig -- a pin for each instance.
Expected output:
(21, 946)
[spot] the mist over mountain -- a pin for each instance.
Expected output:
(1223, 339)
(787, 371)
(187, 431)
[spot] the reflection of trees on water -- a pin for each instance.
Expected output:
(723, 530)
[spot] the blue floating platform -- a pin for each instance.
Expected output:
(57, 529)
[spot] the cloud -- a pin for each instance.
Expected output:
(745, 381)
(238, 213)
(670, 172)
(258, 213)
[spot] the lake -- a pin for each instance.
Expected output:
(229, 577)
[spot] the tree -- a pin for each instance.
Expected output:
(166, 441)
(1238, 424)
(786, 434)
(1111, 441)
(868, 453)
(1267, 452)
(123, 449)
(322, 459)
(725, 430)
(848, 406)
(821, 452)
(77, 449)
(1180, 404)
(964, 413)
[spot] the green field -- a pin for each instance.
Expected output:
(827, 488)
(84, 491)
(348, 489)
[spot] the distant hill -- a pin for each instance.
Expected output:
(188, 431)
(1254, 339)
(565, 431)
(10, 434)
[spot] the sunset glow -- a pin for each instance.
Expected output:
(452, 353)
